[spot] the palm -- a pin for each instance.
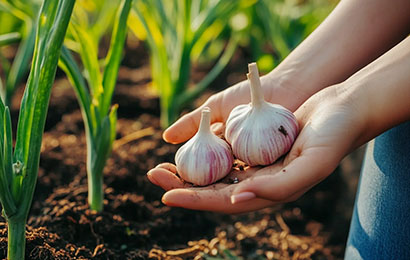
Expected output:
(215, 197)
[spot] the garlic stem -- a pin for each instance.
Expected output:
(205, 124)
(257, 98)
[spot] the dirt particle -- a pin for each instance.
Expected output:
(234, 180)
(283, 130)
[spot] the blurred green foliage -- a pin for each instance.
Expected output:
(96, 18)
(278, 26)
(17, 16)
(177, 32)
(180, 33)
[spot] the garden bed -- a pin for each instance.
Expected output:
(134, 223)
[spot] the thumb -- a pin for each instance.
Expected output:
(186, 127)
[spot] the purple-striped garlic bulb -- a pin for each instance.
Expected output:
(205, 158)
(260, 132)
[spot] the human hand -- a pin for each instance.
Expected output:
(277, 89)
(331, 127)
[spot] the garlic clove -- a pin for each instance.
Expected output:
(205, 158)
(260, 132)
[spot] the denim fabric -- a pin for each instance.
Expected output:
(380, 226)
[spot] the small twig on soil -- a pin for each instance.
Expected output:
(97, 249)
(133, 136)
(282, 223)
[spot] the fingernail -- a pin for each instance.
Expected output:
(164, 133)
(243, 196)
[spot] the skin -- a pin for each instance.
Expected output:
(339, 101)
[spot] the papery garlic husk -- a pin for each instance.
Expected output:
(205, 158)
(260, 132)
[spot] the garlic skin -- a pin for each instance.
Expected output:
(260, 132)
(205, 158)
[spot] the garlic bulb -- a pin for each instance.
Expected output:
(260, 132)
(205, 158)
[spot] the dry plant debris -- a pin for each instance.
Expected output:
(268, 238)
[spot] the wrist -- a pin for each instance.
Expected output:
(282, 88)
(376, 107)
(353, 97)
(382, 91)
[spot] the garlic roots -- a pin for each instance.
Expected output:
(260, 132)
(205, 158)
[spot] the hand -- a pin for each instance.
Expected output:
(276, 90)
(331, 127)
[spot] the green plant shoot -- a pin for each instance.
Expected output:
(94, 89)
(173, 29)
(24, 11)
(18, 171)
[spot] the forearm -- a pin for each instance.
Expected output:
(353, 35)
(381, 91)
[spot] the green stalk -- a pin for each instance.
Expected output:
(18, 173)
(114, 55)
(16, 239)
(98, 150)
(73, 72)
(95, 97)
(95, 187)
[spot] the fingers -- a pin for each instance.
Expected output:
(184, 128)
(164, 176)
(221, 105)
(187, 126)
(168, 166)
(291, 181)
(209, 199)
(218, 128)
(216, 197)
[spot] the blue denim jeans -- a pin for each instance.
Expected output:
(380, 225)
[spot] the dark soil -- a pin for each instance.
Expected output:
(134, 223)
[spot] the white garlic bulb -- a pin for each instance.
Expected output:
(205, 158)
(260, 132)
